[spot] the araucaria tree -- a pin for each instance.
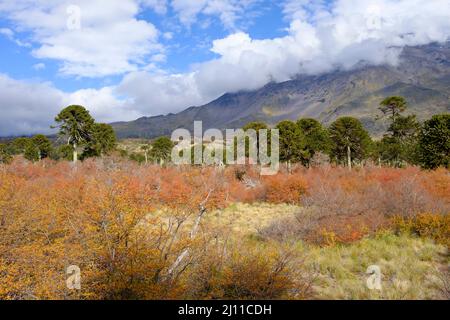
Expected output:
(291, 142)
(399, 142)
(38, 148)
(350, 141)
(161, 150)
(316, 139)
(393, 106)
(76, 125)
(102, 141)
(434, 142)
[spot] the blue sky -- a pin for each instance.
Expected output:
(184, 44)
(129, 58)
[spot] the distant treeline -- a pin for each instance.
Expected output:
(306, 141)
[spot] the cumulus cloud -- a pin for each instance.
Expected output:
(89, 38)
(29, 107)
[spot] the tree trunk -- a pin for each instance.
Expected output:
(75, 153)
(146, 158)
(349, 158)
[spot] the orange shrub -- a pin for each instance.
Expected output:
(284, 188)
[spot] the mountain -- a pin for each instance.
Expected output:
(422, 77)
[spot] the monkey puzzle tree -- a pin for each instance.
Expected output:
(102, 141)
(434, 142)
(350, 141)
(76, 125)
(161, 149)
(291, 141)
(19, 145)
(43, 146)
(316, 139)
(393, 106)
(398, 144)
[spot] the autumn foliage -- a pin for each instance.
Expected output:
(136, 231)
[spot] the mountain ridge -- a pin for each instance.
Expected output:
(422, 77)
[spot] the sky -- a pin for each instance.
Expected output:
(124, 59)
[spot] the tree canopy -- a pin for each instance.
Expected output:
(350, 141)
(434, 142)
(76, 125)
(315, 137)
(291, 141)
(161, 149)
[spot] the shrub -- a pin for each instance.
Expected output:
(260, 273)
(426, 225)
(284, 188)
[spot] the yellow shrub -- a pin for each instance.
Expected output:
(426, 225)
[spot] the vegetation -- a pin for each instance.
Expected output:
(178, 232)
(161, 150)
(350, 141)
(316, 139)
(151, 232)
(291, 141)
(76, 125)
(434, 142)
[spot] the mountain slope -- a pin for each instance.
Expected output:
(422, 76)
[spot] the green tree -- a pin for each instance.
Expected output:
(399, 143)
(102, 141)
(43, 145)
(316, 139)
(393, 106)
(32, 153)
(350, 141)
(291, 141)
(434, 142)
(76, 125)
(161, 149)
(5, 155)
(18, 145)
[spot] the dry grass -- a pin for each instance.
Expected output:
(412, 268)
(409, 268)
(246, 219)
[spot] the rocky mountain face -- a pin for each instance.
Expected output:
(422, 77)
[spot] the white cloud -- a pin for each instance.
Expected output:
(159, 6)
(154, 93)
(29, 107)
(107, 40)
(7, 32)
